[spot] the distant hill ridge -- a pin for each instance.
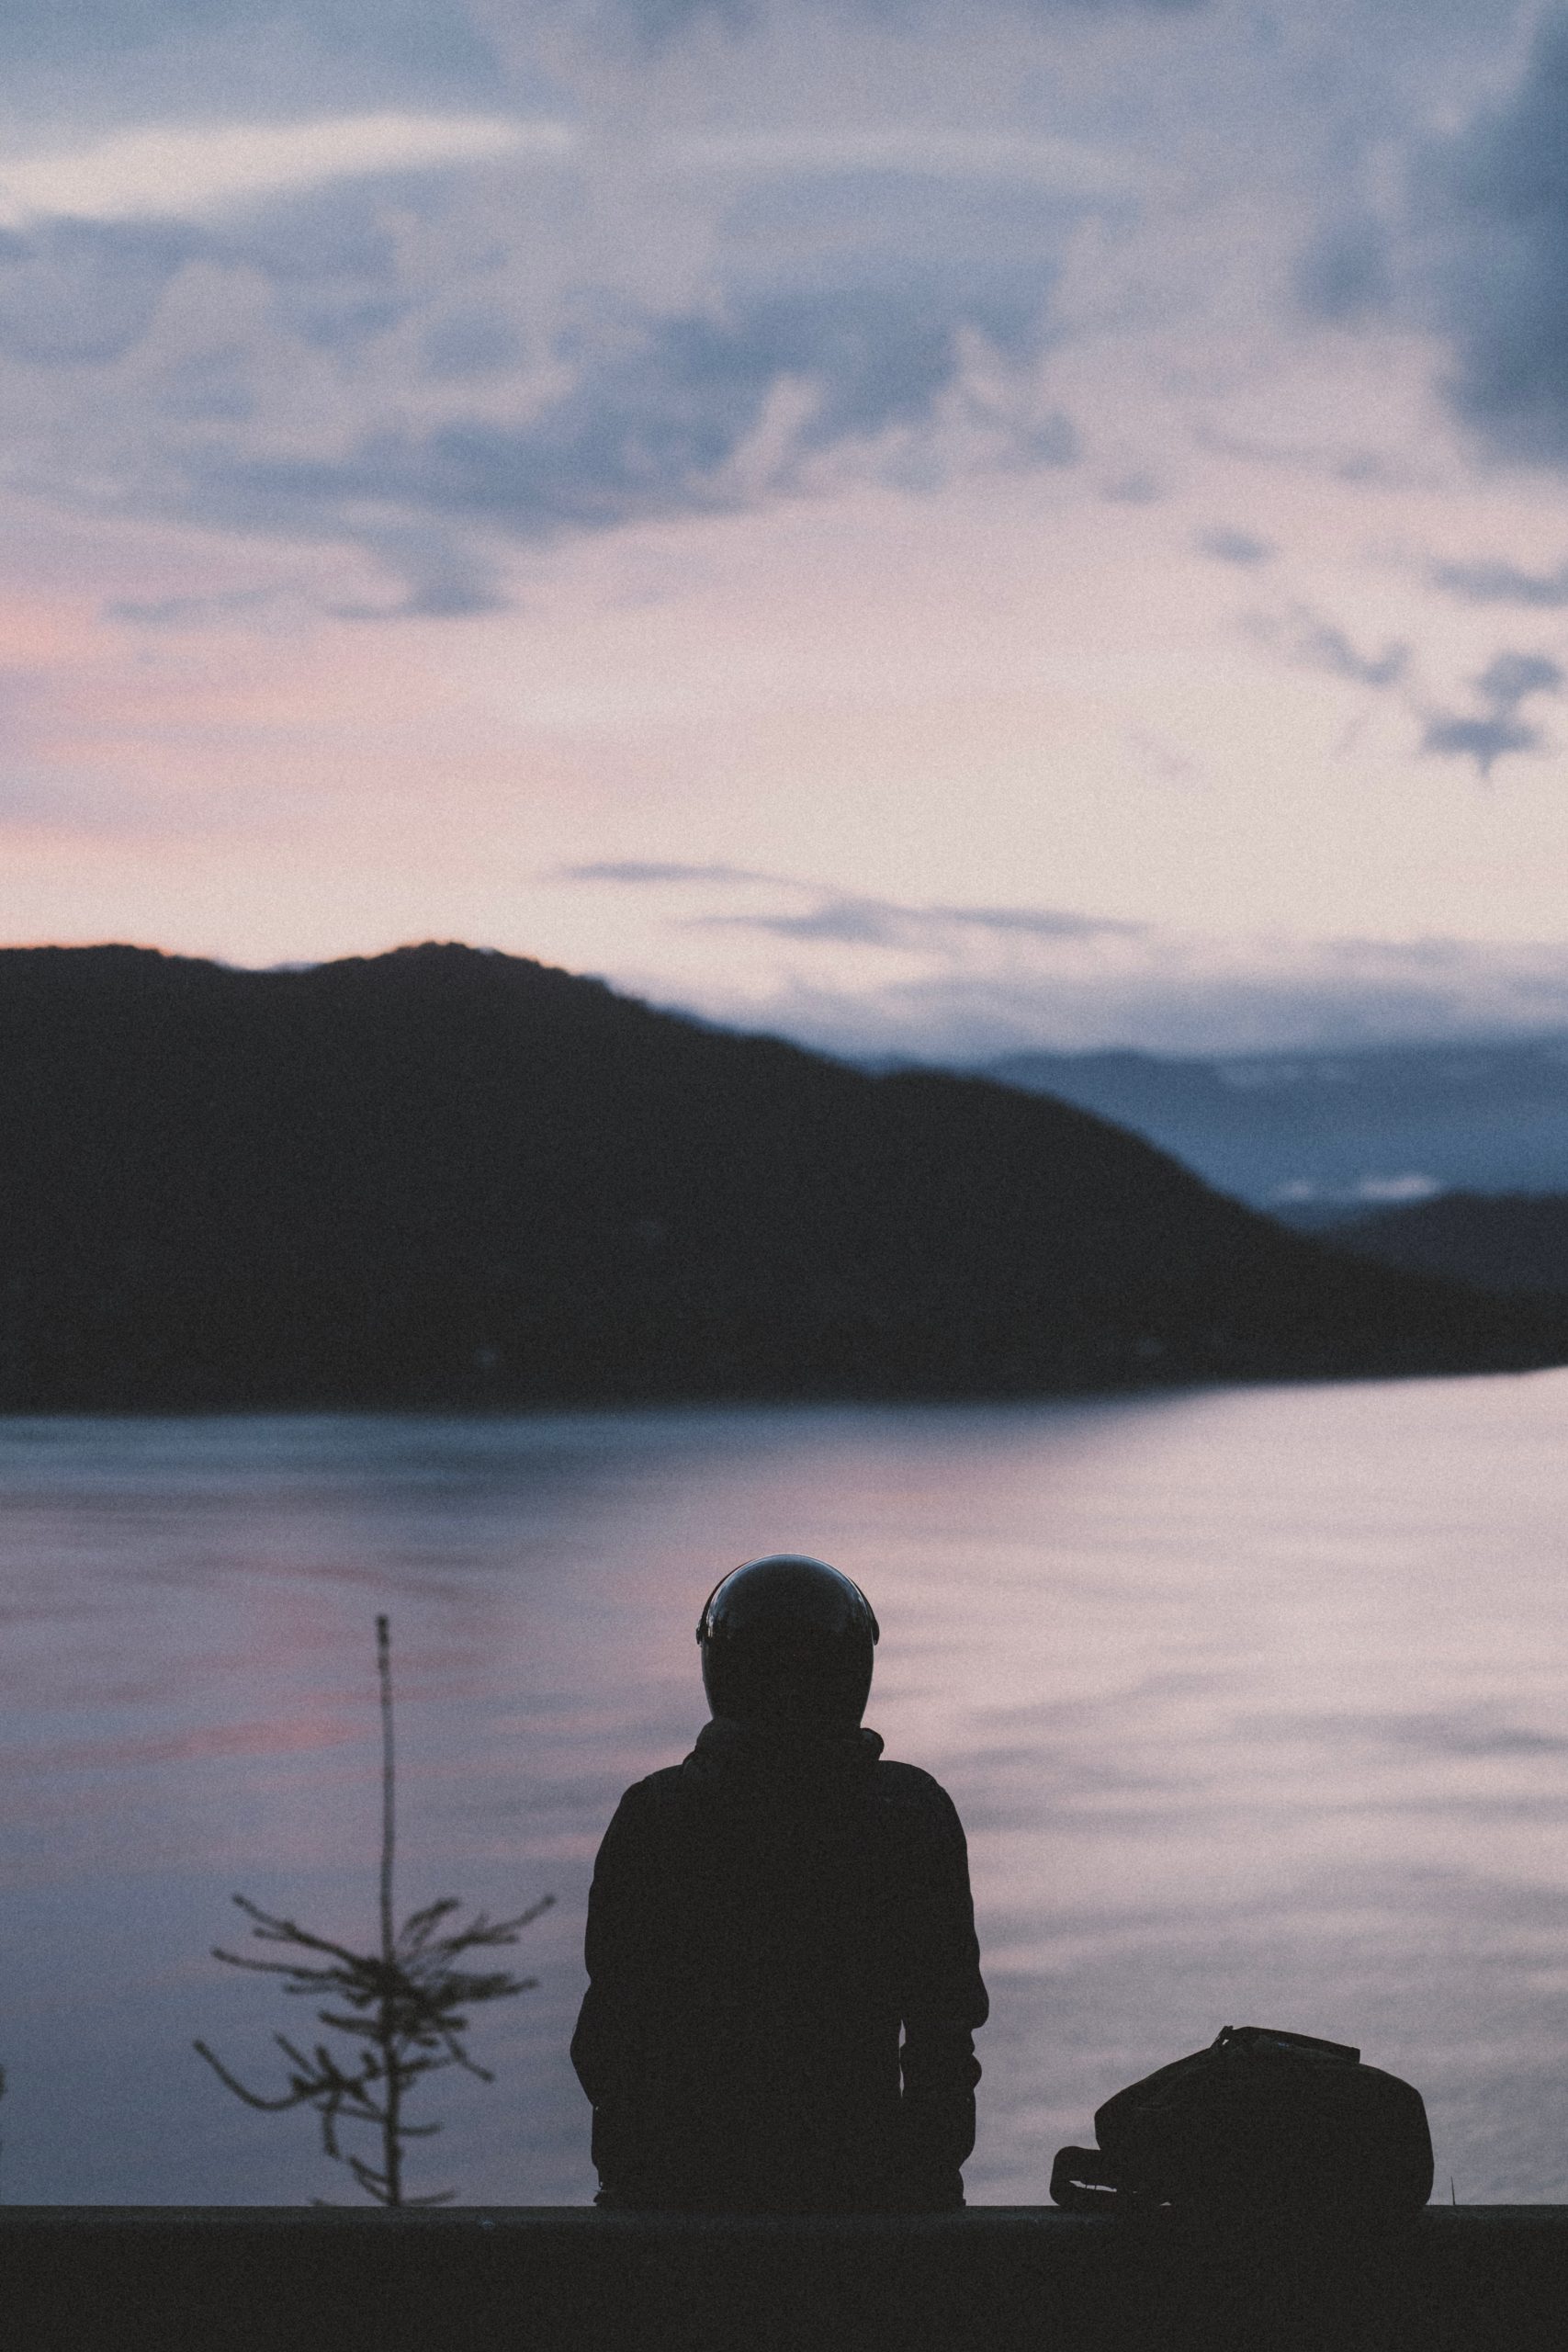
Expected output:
(1316, 1130)
(445, 1176)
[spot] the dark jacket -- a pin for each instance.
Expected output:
(766, 1920)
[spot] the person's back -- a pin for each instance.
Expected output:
(767, 1919)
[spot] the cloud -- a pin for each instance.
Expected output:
(701, 413)
(1498, 582)
(655, 871)
(320, 267)
(848, 918)
(443, 576)
(1500, 192)
(476, 339)
(79, 294)
(184, 173)
(852, 922)
(1345, 272)
(196, 611)
(1509, 681)
(428, 337)
(1329, 648)
(1509, 677)
(1161, 992)
(430, 36)
(972, 982)
(1140, 488)
(1494, 732)
(1483, 740)
(1235, 547)
(1305, 637)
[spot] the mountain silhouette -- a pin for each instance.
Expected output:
(450, 1177)
(1498, 1241)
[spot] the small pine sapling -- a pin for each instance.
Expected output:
(401, 2008)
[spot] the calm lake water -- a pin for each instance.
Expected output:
(1255, 1706)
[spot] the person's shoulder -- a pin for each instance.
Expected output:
(905, 1788)
(654, 1793)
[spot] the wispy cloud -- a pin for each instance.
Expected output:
(656, 871)
(1498, 728)
(184, 172)
(880, 922)
(862, 974)
(1167, 993)
(845, 919)
(1306, 637)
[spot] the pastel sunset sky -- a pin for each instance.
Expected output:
(928, 528)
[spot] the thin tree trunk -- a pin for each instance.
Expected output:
(391, 2148)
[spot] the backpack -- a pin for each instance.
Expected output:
(1261, 2125)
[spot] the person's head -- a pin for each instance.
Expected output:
(788, 1641)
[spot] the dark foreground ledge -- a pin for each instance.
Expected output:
(996, 2278)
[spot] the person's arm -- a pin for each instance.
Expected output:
(944, 2005)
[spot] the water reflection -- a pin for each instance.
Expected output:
(1255, 1705)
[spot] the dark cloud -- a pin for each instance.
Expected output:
(847, 922)
(428, 37)
(1035, 923)
(473, 341)
(1498, 728)
(82, 292)
(641, 870)
(1500, 582)
(1501, 190)
(1509, 677)
(1485, 740)
(1344, 272)
(445, 576)
(835, 916)
(656, 420)
(85, 292)
(1235, 547)
(909, 370)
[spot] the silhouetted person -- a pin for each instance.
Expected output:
(767, 1918)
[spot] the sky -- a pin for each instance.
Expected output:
(936, 530)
